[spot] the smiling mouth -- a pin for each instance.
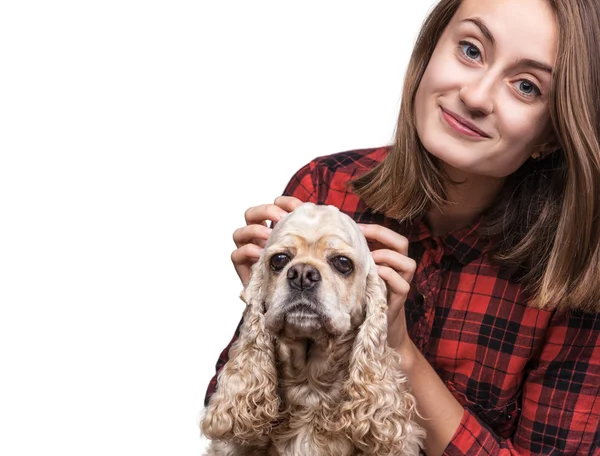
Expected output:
(461, 126)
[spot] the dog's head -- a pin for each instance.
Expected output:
(313, 274)
(316, 279)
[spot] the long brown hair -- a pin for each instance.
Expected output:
(546, 220)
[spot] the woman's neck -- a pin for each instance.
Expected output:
(467, 199)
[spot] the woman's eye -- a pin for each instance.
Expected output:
(469, 50)
(342, 264)
(528, 88)
(278, 261)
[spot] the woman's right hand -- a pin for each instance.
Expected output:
(251, 239)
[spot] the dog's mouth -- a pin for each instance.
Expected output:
(302, 320)
(301, 311)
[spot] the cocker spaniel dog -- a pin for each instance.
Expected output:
(311, 373)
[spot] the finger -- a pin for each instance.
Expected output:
(259, 215)
(398, 290)
(287, 203)
(385, 236)
(394, 282)
(404, 265)
(257, 234)
(246, 255)
(243, 259)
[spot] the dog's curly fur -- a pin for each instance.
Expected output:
(322, 380)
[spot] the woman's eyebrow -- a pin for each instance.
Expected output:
(520, 62)
(484, 30)
(534, 64)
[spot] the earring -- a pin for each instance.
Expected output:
(537, 157)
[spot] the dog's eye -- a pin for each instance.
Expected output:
(342, 264)
(278, 261)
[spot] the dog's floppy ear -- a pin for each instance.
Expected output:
(378, 412)
(246, 401)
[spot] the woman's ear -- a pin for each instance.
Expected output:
(246, 401)
(546, 147)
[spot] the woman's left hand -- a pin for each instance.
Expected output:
(390, 252)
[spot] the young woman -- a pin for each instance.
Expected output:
(484, 219)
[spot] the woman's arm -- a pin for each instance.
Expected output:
(560, 403)
(441, 414)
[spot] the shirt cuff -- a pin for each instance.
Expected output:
(473, 437)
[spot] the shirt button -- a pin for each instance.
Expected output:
(446, 263)
(420, 298)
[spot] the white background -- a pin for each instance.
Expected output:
(133, 135)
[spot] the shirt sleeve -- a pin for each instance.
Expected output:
(560, 398)
(303, 185)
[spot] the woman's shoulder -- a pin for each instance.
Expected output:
(350, 161)
(324, 180)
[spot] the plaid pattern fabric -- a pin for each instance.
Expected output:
(529, 379)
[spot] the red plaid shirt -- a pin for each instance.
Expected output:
(529, 379)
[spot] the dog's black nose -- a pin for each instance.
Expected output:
(303, 276)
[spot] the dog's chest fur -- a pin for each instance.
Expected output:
(311, 391)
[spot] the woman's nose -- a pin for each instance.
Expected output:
(477, 95)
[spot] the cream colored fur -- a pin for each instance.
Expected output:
(305, 385)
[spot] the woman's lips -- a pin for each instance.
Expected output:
(462, 126)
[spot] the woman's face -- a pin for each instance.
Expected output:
(482, 104)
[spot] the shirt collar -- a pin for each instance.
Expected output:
(465, 244)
